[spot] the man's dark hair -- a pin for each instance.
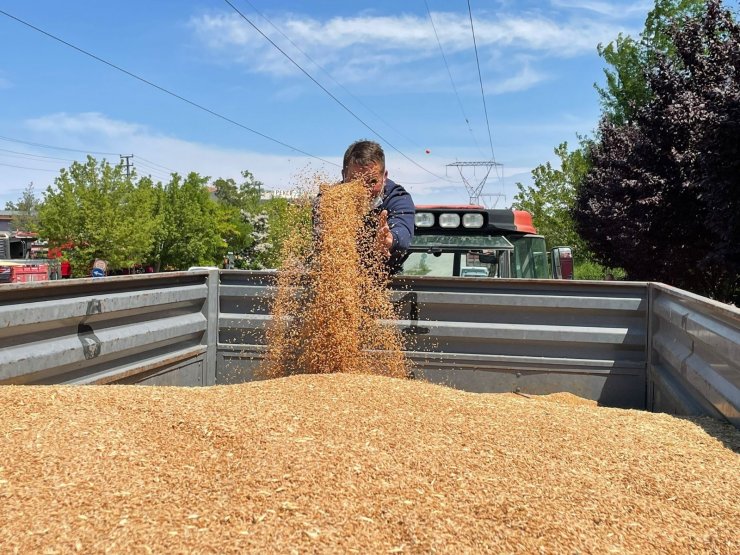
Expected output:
(364, 153)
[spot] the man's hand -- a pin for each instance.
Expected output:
(384, 239)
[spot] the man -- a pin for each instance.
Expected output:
(392, 207)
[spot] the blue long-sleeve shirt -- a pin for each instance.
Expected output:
(400, 206)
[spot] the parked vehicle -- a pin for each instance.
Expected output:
(451, 240)
(16, 244)
(21, 260)
(19, 272)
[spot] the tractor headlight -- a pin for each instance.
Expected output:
(472, 220)
(424, 219)
(448, 220)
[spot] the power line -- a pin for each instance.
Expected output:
(330, 76)
(358, 118)
(27, 168)
(432, 182)
(28, 154)
(52, 147)
(19, 154)
(56, 147)
(155, 164)
(57, 171)
(145, 170)
(480, 78)
(151, 169)
(16, 153)
(164, 90)
(452, 81)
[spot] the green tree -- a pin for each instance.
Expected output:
(154, 193)
(233, 201)
(232, 229)
(27, 206)
(662, 198)
(245, 196)
(286, 217)
(100, 213)
(552, 197)
(631, 60)
(626, 89)
(188, 234)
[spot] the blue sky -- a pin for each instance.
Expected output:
(381, 59)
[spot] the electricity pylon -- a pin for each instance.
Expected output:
(475, 189)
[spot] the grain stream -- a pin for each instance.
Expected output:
(332, 298)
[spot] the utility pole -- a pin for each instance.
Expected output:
(129, 165)
(475, 189)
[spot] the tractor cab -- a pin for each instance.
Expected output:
(14, 245)
(473, 241)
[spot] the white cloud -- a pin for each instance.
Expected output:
(357, 49)
(411, 33)
(101, 133)
(98, 132)
(610, 9)
(86, 122)
(526, 78)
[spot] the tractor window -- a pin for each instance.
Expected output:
(458, 253)
(425, 264)
(461, 242)
(530, 257)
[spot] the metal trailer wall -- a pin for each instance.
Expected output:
(694, 355)
(533, 336)
(624, 344)
(126, 329)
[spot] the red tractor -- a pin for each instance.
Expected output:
(473, 241)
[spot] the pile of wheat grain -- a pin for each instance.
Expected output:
(353, 463)
(356, 463)
(331, 296)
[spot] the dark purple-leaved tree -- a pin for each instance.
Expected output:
(662, 198)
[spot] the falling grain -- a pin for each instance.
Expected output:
(331, 297)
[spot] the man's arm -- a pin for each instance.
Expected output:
(401, 210)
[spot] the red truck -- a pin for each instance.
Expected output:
(20, 272)
(22, 259)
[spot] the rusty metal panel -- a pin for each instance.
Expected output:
(103, 330)
(695, 355)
